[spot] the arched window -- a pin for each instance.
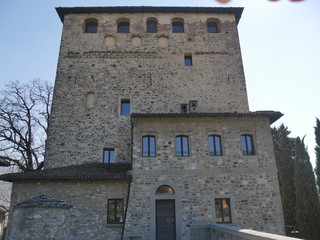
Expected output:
(152, 26)
(165, 189)
(213, 25)
(91, 25)
(177, 25)
(124, 26)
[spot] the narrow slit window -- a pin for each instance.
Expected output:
(188, 60)
(125, 107)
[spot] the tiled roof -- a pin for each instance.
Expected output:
(43, 201)
(62, 11)
(272, 115)
(87, 171)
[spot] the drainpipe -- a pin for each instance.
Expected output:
(126, 209)
(129, 184)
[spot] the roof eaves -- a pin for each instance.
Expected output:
(62, 11)
(272, 115)
(89, 171)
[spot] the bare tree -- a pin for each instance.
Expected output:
(24, 118)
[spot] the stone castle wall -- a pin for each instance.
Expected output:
(140, 67)
(96, 71)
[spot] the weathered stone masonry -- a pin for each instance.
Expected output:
(96, 73)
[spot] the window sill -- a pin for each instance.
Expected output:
(115, 225)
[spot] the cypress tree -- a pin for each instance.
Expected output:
(307, 199)
(284, 154)
(317, 150)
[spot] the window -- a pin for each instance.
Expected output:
(184, 107)
(212, 27)
(177, 26)
(115, 211)
(124, 27)
(182, 146)
(165, 189)
(90, 99)
(91, 25)
(125, 107)
(188, 60)
(223, 211)
(149, 146)
(247, 145)
(108, 156)
(152, 26)
(215, 145)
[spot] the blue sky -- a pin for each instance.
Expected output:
(280, 43)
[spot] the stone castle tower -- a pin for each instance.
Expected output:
(150, 131)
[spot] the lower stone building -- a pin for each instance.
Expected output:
(202, 184)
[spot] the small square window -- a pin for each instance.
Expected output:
(91, 25)
(115, 211)
(177, 27)
(212, 27)
(184, 108)
(188, 60)
(223, 210)
(125, 107)
(108, 156)
(123, 27)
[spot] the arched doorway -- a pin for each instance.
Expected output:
(165, 213)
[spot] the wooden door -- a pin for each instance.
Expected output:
(165, 219)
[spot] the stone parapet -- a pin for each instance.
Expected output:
(224, 232)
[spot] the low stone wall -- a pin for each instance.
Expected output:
(223, 232)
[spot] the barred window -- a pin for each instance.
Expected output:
(115, 211)
(223, 210)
